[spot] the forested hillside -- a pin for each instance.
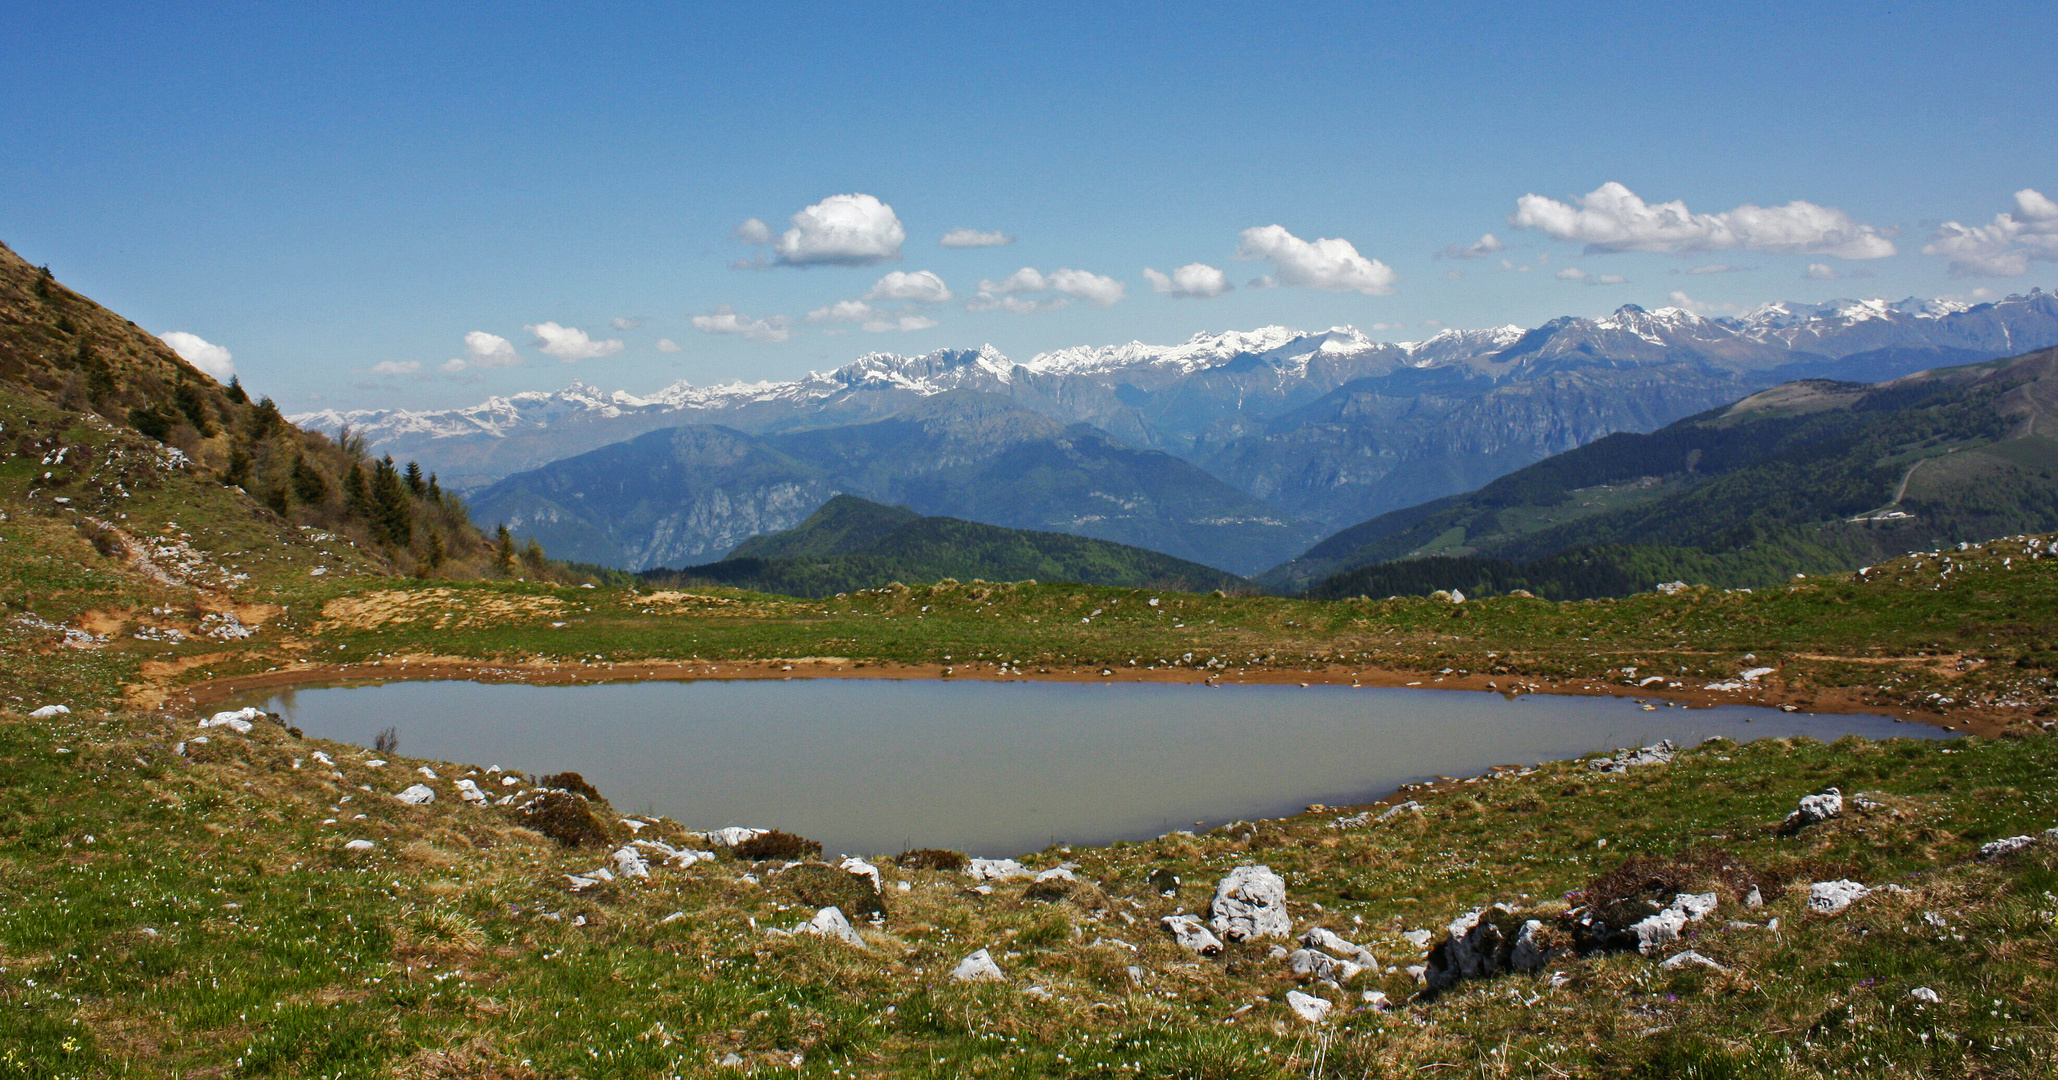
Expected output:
(851, 543)
(1805, 477)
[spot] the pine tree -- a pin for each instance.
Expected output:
(393, 515)
(309, 485)
(415, 483)
(236, 392)
(43, 283)
(357, 496)
(504, 549)
(532, 557)
(435, 493)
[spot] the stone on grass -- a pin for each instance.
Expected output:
(734, 835)
(1251, 903)
(1754, 899)
(1680, 960)
(1308, 1007)
(1815, 809)
(470, 793)
(1336, 945)
(629, 862)
(324, 758)
(1315, 964)
(860, 868)
(2007, 846)
(1190, 933)
(1696, 906)
(417, 794)
(1058, 873)
(1830, 897)
(830, 923)
(995, 869)
(1658, 929)
(1530, 953)
(358, 845)
(49, 712)
(978, 967)
(1658, 753)
(237, 720)
(1924, 993)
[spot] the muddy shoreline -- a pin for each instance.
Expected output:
(1771, 694)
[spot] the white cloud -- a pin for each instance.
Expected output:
(1454, 275)
(665, 344)
(1478, 249)
(902, 321)
(1572, 273)
(484, 350)
(841, 230)
(1321, 264)
(569, 343)
(842, 311)
(1720, 268)
(1610, 279)
(922, 287)
(753, 231)
(1197, 281)
(211, 359)
(1821, 272)
(725, 320)
(1613, 218)
(624, 322)
(1262, 281)
(1000, 295)
(974, 238)
(2004, 248)
(396, 367)
(1682, 300)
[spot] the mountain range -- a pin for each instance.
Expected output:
(1314, 430)
(851, 543)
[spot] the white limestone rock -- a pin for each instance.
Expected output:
(417, 795)
(1250, 903)
(1696, 906)
(1658, 753)
(996, 869)
(1689, 957)
(860, 868)
(1925, 994)
(1192, 935)
(1058, 873)
(470, 793)
(978, 967)
(2007, 846)
(1336, 945)
(831, 923)
(1315, 964)
(1815, 809)
(238, 720)
(1831, 897)
(1308, 1007)
(629, 862)
(1659, 929)
(51, 712)
(734, 835)
(1529, 954)
(359, 845)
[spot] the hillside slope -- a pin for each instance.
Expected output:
(852, 544)
(1806, 476)
(688, 494)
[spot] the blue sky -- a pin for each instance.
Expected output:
(321, 192)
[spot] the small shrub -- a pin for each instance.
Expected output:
(572, 782)
(820, 885)
(943, 859)
(779, 845)
(387, 741)
(565, 818)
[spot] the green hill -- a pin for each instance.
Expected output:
(852, 543)
(1807, 477)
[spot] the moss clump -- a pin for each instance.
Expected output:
(565, 817)
(778, 845)
(572, 782)
(821, 885)
(943, 859)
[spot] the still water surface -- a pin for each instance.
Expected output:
(877, 766)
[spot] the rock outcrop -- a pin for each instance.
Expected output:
(1250, 903)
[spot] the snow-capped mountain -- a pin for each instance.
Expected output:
(1330, 426)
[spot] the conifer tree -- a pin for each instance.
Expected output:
(504, 549)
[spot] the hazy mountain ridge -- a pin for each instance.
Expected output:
(689, 494)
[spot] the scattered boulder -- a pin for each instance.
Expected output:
(830, 923)
(860, 868)
(572, 782)
(1335, 945)
(996, 869)
(1251, 903)
(1659, 929)
(1657, 753)
(629, 862)
(51, 712)
(1697, 906)
(1164, 882)
(1814, 810)
(1308, 1007)
(1532, 948)
(417, 795)
(2007, 846)
(943, 859)
(1058, 873)
(1687, 959)
(359, 845)
(1925, 994)
(1315, 964)
(564, 817)
(734, 835)
(470, 793)
(238, 720)
(1191, 934)
(1831, 897)
(1476, 946)
(978, 967)
(1754, 899)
